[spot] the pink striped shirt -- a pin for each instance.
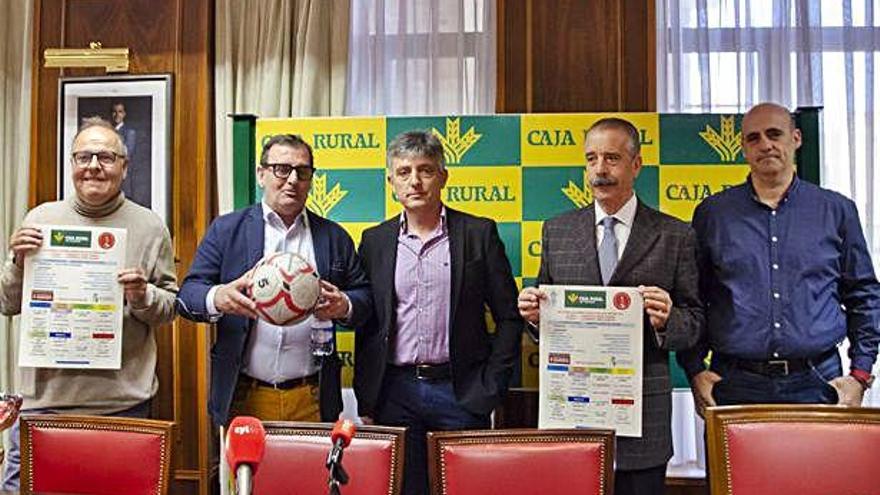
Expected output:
(423, 286)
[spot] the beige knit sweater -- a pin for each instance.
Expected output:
(79, 391)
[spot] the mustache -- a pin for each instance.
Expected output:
(603, 181)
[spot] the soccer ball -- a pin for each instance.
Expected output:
(285, 287)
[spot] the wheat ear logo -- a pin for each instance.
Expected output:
(580, 196)
(728, 143)
(456, 144)
(321, 201)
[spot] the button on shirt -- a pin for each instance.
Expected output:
(625, 216)
(274, 353)
(422, 284)
(789, 282)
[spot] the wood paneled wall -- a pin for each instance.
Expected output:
(557, 56)
(163, 36)
(576, 56)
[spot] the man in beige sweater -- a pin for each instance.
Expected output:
(99, 163)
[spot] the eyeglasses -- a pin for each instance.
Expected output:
(283, 170)
(105, 158)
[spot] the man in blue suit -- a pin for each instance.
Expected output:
(128, 135)
(259, 369)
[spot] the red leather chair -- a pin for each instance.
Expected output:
(521, 462)
(96, 455)
(793, 450)
(296, 452)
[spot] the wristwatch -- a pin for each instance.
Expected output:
(863, 377)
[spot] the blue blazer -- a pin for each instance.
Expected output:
(232, 245)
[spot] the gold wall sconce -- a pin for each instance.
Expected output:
(111, 59)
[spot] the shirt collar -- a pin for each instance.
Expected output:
(274, 219)
(789, 193)
(441, 228)
(624, 215)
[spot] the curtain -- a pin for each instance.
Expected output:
(421, 57)
(16, 20)
(276, 58)
(727, 55)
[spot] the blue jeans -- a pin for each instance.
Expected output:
(11, 479)
(810, 386)
(421, 406)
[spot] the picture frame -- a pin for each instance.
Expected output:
(140, 107)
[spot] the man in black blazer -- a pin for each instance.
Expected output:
(649, 250)
(426, 360)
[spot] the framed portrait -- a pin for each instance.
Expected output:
(140, 109)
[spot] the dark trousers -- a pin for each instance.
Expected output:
(651, 481)
(421, 406)
(739, 386)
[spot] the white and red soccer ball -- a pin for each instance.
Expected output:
(285, 287)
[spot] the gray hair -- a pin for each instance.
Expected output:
(617, 124)
(89, 122)
(416, 144)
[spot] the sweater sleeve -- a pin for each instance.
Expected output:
(161, 285)
(10, 287)
(12, 277)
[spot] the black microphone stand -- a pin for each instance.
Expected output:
(337, 476)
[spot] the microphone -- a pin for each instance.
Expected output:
(343, 432)
(245, 446)
(341, 435)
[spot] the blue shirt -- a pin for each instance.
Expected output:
(790, 282)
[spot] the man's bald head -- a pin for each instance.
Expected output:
(770, 108)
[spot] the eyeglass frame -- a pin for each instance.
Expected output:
(297, 168)
(93, 156)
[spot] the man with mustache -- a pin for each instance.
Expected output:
(619, 241)
(786, 275)
(257, 368)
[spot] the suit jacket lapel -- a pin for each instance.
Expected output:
(256, 235)
(456, 232)
(321, 243)
(584, 234)
(387, 261)
(641, 239)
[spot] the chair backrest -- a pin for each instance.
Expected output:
(97, 455)
(296, 453)
(793, 449)
(523, 462)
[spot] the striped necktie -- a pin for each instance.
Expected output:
(608, 249)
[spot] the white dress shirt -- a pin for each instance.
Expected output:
(273, 353)
(625, 216)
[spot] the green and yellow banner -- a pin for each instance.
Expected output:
(517, 169)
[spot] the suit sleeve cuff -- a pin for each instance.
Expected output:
(533, 331)
(209, 303)
(347, 319)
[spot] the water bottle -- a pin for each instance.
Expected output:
(321, 337)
